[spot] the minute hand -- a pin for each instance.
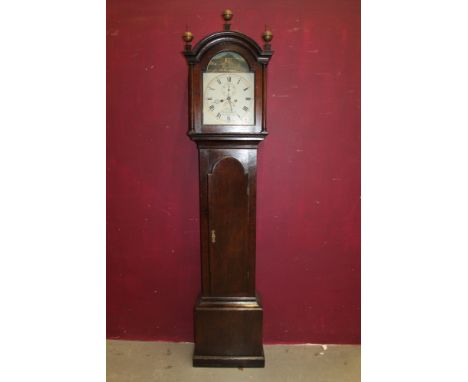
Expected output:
(229, 97)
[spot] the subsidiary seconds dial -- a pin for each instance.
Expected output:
(228, 99)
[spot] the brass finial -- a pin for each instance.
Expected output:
(267, 37)
(188, 37)
(227, 16)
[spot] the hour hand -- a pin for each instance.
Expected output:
(218, 100)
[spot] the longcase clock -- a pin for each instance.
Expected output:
(227, 120)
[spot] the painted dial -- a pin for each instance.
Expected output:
(228, 99)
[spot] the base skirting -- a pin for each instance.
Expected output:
(228, 361)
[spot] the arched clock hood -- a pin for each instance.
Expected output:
(193, 55)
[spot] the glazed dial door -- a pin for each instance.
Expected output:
(228, 98)
(228, 91)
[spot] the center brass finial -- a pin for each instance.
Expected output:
(227, 15)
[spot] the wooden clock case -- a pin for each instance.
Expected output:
(228, 313)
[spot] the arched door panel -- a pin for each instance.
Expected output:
(228, 228)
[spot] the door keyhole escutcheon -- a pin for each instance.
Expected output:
(213, 236)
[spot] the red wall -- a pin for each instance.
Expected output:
(308, 239)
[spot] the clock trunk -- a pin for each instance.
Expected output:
(228, 314)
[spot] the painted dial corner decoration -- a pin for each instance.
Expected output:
(228, 91)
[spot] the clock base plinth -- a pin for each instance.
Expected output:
(228, 332)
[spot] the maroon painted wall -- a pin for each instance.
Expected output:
(308, 239)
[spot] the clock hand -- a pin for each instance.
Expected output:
(229, 97)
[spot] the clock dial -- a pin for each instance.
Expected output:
(228, 98)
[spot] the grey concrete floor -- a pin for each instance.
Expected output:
(135, 361)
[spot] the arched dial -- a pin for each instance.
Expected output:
(228, 98)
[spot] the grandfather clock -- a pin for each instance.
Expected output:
(227, 120)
